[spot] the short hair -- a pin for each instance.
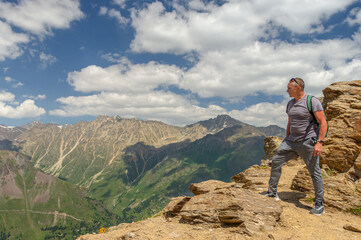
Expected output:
(298, 81)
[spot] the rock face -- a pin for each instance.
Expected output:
(340, 191)
(343, 110)
(224, 204)
(254, 178)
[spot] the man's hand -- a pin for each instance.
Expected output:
(317, 149)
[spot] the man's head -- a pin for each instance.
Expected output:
(295, 87)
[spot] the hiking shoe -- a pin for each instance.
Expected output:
(318, 209)
(273, 195)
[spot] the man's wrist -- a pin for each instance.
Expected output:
(320, 141)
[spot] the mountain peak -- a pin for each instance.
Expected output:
(218, 123)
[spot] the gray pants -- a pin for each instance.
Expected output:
(288, 150)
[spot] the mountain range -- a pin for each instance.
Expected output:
(134, 167)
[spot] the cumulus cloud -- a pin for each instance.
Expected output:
(10, 42)
(33, 18)
(124, 78)
(160, 105)
(239, 23)
(41, 16)
(239, 52)
(263, 114)
(267, 67)
(11, 109)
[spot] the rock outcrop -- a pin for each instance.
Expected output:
(340, 191)
(219, 204)
(343, 110)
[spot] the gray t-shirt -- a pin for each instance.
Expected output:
(302, 124)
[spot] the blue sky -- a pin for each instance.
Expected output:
(173, 61)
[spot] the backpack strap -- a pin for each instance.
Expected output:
(309, 106)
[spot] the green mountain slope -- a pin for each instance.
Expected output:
(167, 171)
(36, 205)
(135, 166)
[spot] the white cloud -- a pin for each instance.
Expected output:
(46, 59)
(19, 84)
(233, 25)
(38, 97)
(26, 109)
(232, 60)
(354, 17)
(41, 16)
(263, 114)
(103, 10)
(120, 3)
(9, 79)
(112, 13)
(267, 67)
(10, 42)
(164, 106)
(124, 78)
(6, 96)
(115, 58)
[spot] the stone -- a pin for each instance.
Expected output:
(254, 178)
(342, 107)
(174, 206)
(207, 186)
(271, 145)
(340, 191)
(352, 228)
(251, 211)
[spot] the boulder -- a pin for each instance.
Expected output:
(343, 110)
(207, 186)
(250, 211)
(271, 145)
(340, 192)
(174, 206)
(254, 178)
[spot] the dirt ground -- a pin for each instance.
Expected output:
(296, 223)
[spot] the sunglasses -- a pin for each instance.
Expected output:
(293, 79)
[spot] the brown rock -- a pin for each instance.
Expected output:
(342, 146)
(207, 186)
(271, 145)
(233, 206)
(254, 178)
(352, 228)
(340, 192)
(174, 207)
(358, 186)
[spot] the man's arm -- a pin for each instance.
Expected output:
(320, 117)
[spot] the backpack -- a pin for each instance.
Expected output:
(309, 106)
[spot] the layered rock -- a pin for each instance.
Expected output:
(343, 110)
(218, 204)
(340, 191)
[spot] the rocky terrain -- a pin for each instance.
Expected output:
(238, 210)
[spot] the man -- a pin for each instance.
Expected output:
(303, 138)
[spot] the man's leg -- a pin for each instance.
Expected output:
(313, 166)
(284, 153)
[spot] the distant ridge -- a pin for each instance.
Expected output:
(135, 166)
